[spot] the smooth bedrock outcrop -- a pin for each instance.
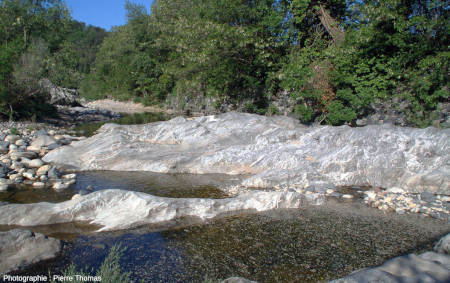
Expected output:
(276, 151)
(118, 209)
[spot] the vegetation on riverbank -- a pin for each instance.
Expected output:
(333, 57)
(38, 39)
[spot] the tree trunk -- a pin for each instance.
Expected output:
(24, 36)
(330, 25)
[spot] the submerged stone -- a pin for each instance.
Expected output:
(20, 247)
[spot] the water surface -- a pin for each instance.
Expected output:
(158, 184)
(311, 244)
(88, 130)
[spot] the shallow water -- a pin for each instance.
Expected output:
(311, 244)
(158, 184)
(137, 118)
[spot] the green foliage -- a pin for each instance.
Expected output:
(38, 40)
(273, 110)
(200, 48)
(333, 57)
(109, 271)
(306, 113)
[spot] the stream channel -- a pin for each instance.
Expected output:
(310, 244)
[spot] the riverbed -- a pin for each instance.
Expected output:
(311, 244)
(307, 244)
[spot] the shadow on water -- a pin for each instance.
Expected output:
(129, 119)
(311, 244)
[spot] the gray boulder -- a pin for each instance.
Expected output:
(4, 170)
(427, 267)
(443, 246)
(54, 173)
(4, 144)
(58, 95)
(43, 140)
(19, 248)
(275, 152)
(41, 132)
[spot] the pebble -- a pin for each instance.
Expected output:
(395, 190)
(12, 138)
(29, 176)
(4, 187)
(427, 196)
(21, 154)
(13, 177)
(54, 173)
(34, 148)
(38, 185)
(36, 163)
(60, 186)
(398, 200)
(70, 176)
(43, 140)
(53, 146)
(43, 169)
(71, 182)
(21, 143)
(20, 160)
(371, 195)
(75, 196)
(335, 194)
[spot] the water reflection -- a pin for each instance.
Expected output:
(88, 130)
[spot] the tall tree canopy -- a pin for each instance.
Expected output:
(38, 39)
(333, 57)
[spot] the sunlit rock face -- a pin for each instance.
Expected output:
(118, 209)
(276, 151)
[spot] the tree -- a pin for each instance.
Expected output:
(31, 32)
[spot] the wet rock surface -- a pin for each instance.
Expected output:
(20, 247)
(277, 151)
